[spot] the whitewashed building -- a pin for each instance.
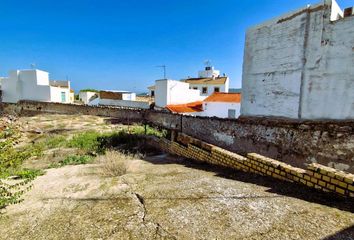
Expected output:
(209, 81)
(87, 96)
(169, 92)
(221, 105)
(34, 85)
(300, 65)
(118, 98)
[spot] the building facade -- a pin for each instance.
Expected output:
(86, 96)
(168, 92)
(117, 98)
(221, 105)
(34, 85)
(300, 65)
(209, 81)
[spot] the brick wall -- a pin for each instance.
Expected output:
(315, 175)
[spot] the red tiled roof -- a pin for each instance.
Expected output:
(224, 97)
(186, 108)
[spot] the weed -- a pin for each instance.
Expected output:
(55, 142)
(73, 160)
(29, 173)
(114, 163)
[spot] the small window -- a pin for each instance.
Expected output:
(152, 93)
(195, 88)
(204, 90)
(216, 89)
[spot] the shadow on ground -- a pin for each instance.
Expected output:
(275, 186)
(345, 234)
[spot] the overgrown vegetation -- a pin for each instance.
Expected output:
(128, 142)
(11, 158)
(73, 160)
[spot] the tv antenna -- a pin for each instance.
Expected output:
(207, 63)
(164, 70)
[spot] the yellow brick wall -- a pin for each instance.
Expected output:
(315, 176)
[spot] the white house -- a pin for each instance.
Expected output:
(34, 85)
(86, 96)
(169, 92)
(119, 99)
(209, 81)
(222, 105)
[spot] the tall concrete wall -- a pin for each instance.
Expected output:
(296, 142)
(300, 66)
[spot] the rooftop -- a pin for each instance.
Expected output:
(224, 97)
(186, 108)
(217, 80)
(54, 83)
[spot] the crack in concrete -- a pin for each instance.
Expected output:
(158, 228)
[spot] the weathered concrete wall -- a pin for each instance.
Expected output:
(292, 141)
(125, 116)
(300, 66)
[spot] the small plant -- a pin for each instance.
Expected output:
(85, 141)
(29, 173)
(55, 142)
(73, 160)
(114, 163)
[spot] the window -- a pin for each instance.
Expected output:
(195, 88)
(231, 113)
(216, 89)
(63, 97)
(152, 93)
(204, 90)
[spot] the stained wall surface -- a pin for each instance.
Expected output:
(297, 142)
(300, 65)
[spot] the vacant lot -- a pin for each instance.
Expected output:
(157, 196)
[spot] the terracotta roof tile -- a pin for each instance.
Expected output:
(224, 97)
(186, 108)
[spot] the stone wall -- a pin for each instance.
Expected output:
(299, 143)
(315, 176)
(300, 66)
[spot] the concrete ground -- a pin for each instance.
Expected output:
(165, 197)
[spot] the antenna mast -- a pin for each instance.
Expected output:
(164, 70)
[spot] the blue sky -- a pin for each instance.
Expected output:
(110, 44)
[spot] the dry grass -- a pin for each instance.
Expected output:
(114, 163)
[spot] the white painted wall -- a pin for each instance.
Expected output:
(30, 85)
(300, 65)
(211, 87)
(174, 92)
(209, 73)
(219, 109)
(56, 94)
(129, 96)
(85, 96)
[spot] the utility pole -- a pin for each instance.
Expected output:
(164, 70)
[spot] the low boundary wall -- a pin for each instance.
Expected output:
(299, 143)
(314, 176)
